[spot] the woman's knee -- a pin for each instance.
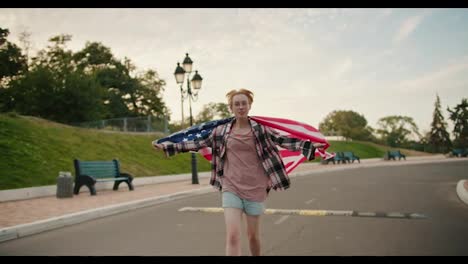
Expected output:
(233, 237)
(253, 236)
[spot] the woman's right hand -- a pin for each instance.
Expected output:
(157, 146)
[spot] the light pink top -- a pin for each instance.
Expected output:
(243, 170)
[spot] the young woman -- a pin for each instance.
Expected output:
(246, 165)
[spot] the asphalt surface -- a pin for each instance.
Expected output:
(163, 230)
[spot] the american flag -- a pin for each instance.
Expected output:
(286, 127)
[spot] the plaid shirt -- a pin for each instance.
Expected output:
(266, 140)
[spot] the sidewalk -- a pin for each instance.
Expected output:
(25, 217)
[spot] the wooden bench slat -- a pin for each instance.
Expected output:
(97, 170)
(100, 173)
(111, 179)
(98, 167)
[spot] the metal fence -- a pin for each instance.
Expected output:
(129, 124)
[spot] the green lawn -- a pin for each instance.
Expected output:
(35, 150)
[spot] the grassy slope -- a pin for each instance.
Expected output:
(34, 150)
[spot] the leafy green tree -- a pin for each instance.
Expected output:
(76, 98)
(459, 116)
(438, 137)
(83, 86)
(148, 96)
(127, 95)
(348, 124)
(55, 89)
(212, 111)
(25, 40)
(12, 62)
(56, 57)
(395, 130)
(12, 65)
(4, 32)
(93, 55)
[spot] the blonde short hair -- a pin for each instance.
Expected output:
(234, 92)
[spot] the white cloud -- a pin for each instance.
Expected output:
(407, 27)
(438, 78)
(342, 67)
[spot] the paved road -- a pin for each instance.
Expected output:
(428, 189)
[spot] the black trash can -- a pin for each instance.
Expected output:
(64, 185)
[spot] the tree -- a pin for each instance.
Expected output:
(3, 35)
(212, 111)
(75, 98)
(94, 54)
(25, 39)
(348, 124)
(148, 95)
(459, 116)
(87, 85)
(12, 62)
(55, 89)
(127, 95)
(394, 130)
(438, 138)
(56, 57)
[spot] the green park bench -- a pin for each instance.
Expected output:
(340, 157)
(460, 152)
(326, 161)
(393, 154)
(351, 156)
(88, 173)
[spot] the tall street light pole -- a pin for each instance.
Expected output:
(192, 95)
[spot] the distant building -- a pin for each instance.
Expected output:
(337, 138)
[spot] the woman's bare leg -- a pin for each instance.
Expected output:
(253, 234)
(233, 220)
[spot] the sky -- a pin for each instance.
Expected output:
(301, 63)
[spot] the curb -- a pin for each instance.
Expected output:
(23, 230)
(51, 190)
(462, 192)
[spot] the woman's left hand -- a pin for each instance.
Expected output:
(318, 145)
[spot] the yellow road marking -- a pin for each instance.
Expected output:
(311, 212)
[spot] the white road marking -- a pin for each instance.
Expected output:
(282, 219)
(310, 201)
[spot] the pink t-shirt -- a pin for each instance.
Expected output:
(243, 170)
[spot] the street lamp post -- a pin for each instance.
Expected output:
(192, 95)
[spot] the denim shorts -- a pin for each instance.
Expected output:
(231, 200)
